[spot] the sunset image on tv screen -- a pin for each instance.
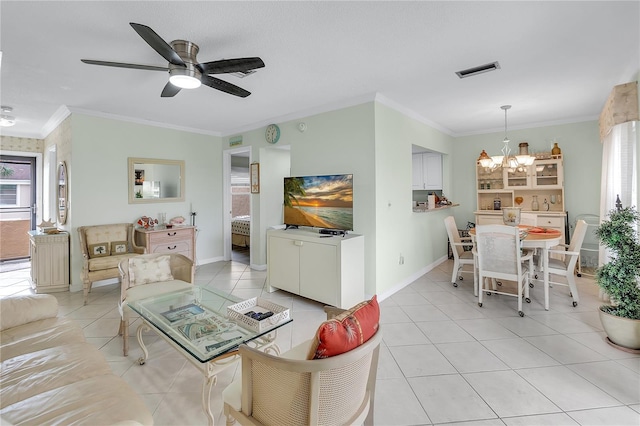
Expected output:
(319, 201)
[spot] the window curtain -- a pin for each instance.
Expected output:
(619, 173)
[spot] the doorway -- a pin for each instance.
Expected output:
(17, 205)
(237, 201)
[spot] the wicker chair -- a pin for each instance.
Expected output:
(182, 270)
(292, 390)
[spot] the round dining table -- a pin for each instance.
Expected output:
(538, 238)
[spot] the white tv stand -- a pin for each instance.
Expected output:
(326, 268)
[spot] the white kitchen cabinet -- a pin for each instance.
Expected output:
(177, 240)
(427, 171)
(329, 269)
(49, 261)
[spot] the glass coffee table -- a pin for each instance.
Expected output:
(207, 326)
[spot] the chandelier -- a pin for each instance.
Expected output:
(506, 160)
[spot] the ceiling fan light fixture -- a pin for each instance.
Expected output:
(7, 120)
(185, 81)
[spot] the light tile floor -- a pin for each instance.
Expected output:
(444, 359)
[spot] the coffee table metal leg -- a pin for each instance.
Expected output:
(142, 327)
(267, 343)
(209, 382)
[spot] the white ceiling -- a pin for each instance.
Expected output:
(559, 60)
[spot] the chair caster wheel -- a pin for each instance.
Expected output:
(579, 275)
(535, 276)
(527, 300)
(141, 361)
(570, 294)
(460, 278)
(488, 294)
(480, 304)
(575, 304)
(530, 285)
(521, 313)
(499, 282)
(455, 284)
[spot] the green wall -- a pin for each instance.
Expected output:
(98, 180)
(420, 238)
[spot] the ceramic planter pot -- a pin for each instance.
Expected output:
(623, 332)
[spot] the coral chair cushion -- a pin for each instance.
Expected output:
(347, 331)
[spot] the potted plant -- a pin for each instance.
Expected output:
(620, 277)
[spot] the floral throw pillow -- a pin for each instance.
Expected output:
(144, 270)
(98, 250)
(347, 331)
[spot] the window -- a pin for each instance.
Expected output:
(8, 195)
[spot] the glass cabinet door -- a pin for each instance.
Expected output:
(517, 178)
(547, 174)
(489, 179)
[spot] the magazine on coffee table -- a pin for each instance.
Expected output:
(183, 312)
(200, 328)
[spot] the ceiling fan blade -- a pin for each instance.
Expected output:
(158, 44)
(222, 85)
(123, 65)
(231, 65)
(169, 90)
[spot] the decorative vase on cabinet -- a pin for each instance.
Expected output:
(534, 204)
(556, 149)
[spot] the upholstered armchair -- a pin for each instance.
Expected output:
(103, 247)
(150, 275)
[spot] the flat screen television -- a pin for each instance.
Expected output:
(319, 201)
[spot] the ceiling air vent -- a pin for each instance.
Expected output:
(478, 70)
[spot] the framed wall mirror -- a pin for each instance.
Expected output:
(62, 192)
(155, 181)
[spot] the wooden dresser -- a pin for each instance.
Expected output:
(181, 240)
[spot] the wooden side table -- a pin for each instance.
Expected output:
(49, 261)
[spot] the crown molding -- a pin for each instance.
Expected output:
(110, 116)
(333, 106)
(55, 120)
(411, 113)
(530, 126)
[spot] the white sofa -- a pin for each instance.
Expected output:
(50, 374)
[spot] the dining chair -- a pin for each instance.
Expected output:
(499, 257)
(566, 266)
(531, 219)
(461, 256)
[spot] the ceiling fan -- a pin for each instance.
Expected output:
(184, 70)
